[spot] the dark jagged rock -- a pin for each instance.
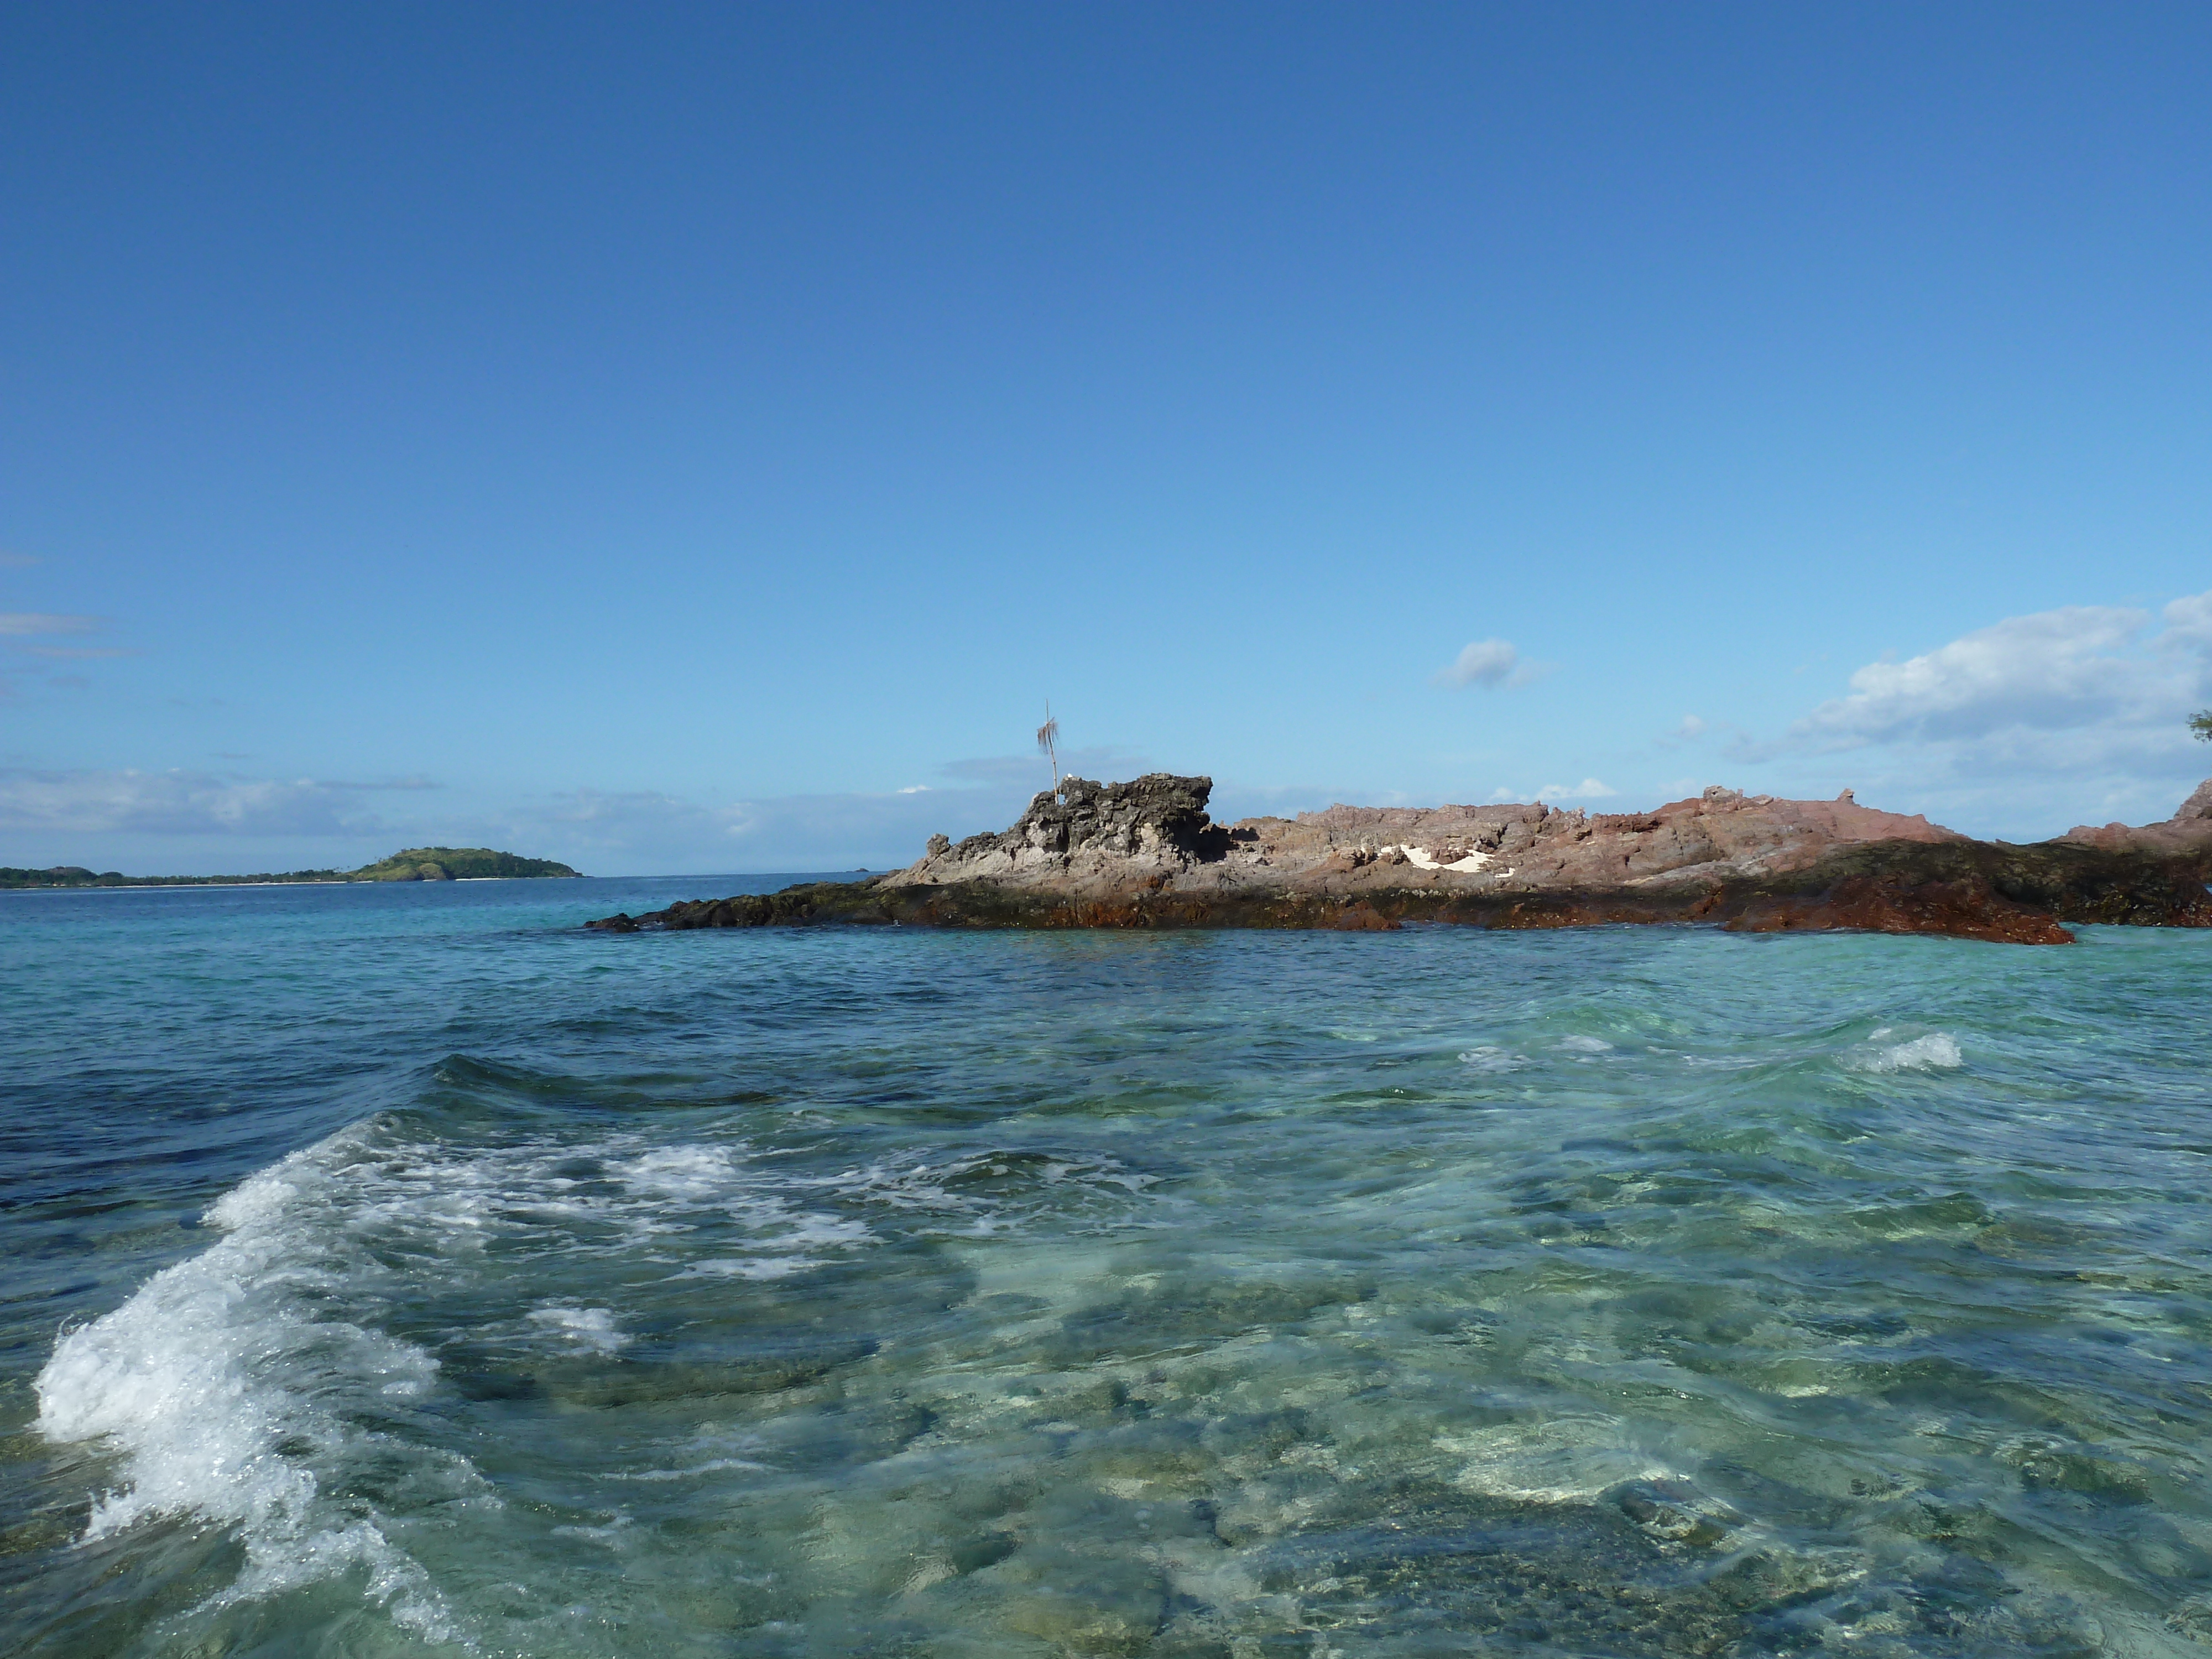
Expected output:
(1145, 854)
(1087, 833)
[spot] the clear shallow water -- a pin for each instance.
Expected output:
(404, 1270)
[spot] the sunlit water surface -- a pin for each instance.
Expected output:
(394, 1271)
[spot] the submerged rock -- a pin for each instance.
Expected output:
(1145, 853)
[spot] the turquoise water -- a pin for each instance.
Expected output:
(401, 1271)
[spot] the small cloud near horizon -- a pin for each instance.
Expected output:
(1490, 664)
(1588, 789)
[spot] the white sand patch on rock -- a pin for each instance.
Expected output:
(1420, 859)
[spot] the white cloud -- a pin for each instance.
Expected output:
(2188, 624)
(21, 623)
(2050, 671)
(1691, 726)
(2053, 689)
(1490, 663)
(2046, 719)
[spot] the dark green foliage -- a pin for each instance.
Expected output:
(73, 875)
(455, 864)
(2201, 724)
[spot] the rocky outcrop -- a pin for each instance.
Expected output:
(1145, 853)
(1090, 838)
(2190, 826)
(1102, 842)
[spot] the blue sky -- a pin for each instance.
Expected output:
(700, 440)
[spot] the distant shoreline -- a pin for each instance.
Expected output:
(196, 884)
(409, 865)
(193, 884)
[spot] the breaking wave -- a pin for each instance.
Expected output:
(1937, 1051)
(227, 1394)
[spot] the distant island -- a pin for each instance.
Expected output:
(415, 864)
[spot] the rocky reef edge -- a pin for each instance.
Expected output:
(1145, 853)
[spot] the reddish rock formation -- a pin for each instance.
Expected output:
(1146, 855)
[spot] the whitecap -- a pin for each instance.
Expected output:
(1938, 1051)
(224, 1387)
(587, 1327)
(1585, 1045)
(759, 1267)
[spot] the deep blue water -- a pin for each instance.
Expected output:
(405, 1270)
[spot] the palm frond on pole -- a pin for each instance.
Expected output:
(1048, 743)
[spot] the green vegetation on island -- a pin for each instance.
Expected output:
(455, 864)
(414, 864)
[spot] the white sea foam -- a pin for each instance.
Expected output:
(1488, 1057)
(711, 1466)
(1936, 1051)
(681, 1172)
(1585, 1045)
(233, 1386)
(776, 1266)
(223, 1391)
(587, 1327)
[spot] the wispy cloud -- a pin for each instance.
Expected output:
(23, 623)
(1688, 729)
(16, 560)
(180, 803)
(1490, 664)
